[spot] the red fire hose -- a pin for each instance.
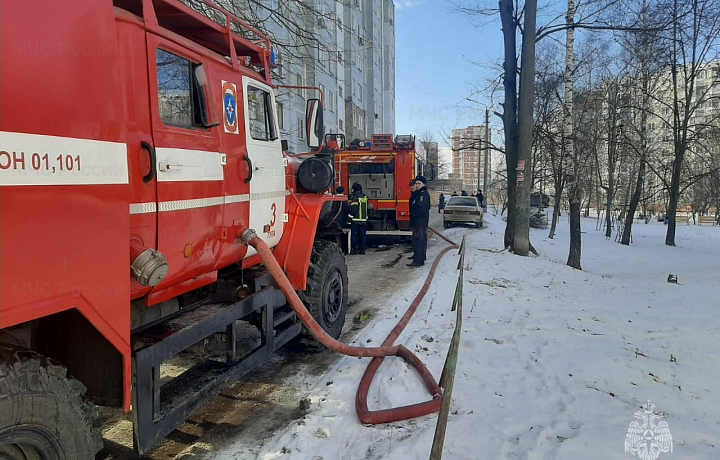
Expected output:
(366, 416)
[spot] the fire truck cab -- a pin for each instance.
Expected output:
(138, 140)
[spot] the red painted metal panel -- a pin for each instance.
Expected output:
(293, 252)
(58, 77)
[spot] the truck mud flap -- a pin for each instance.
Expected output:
(159, 409)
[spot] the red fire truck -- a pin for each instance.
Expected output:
(138, 140)
(384, 167)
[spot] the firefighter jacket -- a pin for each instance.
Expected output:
(359, 207)
(344, 217)
(420, 208)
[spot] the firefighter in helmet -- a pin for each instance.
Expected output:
(358, 224)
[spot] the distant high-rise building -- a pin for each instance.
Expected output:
(467, 146)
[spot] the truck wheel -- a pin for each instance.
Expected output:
(326, 296)
(43, 415)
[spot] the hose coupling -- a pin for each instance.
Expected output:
(247, 236)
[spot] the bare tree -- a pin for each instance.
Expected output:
(613, 95)
(511, 17)
(571, 157)
(641, 47)
(693, 41)
(548, 137)
(525, 129)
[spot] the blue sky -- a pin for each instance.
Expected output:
(440, 55)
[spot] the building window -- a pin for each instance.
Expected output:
(279, 65)
(299, 81)
(260, 116)
(359, 92)
(341, 124)
(281, 115)
(301, 128)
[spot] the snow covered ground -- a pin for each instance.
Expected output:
(553, 362)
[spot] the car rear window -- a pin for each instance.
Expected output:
(464, 201)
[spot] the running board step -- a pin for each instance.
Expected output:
(160, 408)
(283, 314)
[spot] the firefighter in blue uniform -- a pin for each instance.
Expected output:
(344, 216)
(358, 223)
(419, 220)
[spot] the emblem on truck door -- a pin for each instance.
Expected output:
(230, 107)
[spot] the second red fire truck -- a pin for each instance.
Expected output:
(384, 166)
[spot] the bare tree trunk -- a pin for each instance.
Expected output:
(674, 197)
(574, 192)
(627, 230)
(575, 249)
(510, 125)
(613, 97)
(635, 200)
(527, 91)
(611, 179)
(680, 121)
(556, 210)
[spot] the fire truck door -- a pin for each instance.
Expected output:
(190, 165)
(267, 186)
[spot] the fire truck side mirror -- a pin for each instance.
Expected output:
(335, 141)
(314, 123)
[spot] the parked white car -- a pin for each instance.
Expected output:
(462, 209)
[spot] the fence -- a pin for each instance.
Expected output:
(447, 378)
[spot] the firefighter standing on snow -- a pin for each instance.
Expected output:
(419, 219)
(358, 212)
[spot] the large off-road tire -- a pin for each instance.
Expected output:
(326, 296)
(43, 415)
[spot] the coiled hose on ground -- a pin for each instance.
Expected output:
(365, 415)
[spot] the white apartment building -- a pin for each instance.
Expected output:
(346, 48)
(369, 64)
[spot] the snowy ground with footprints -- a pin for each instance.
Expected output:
(554, 363)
